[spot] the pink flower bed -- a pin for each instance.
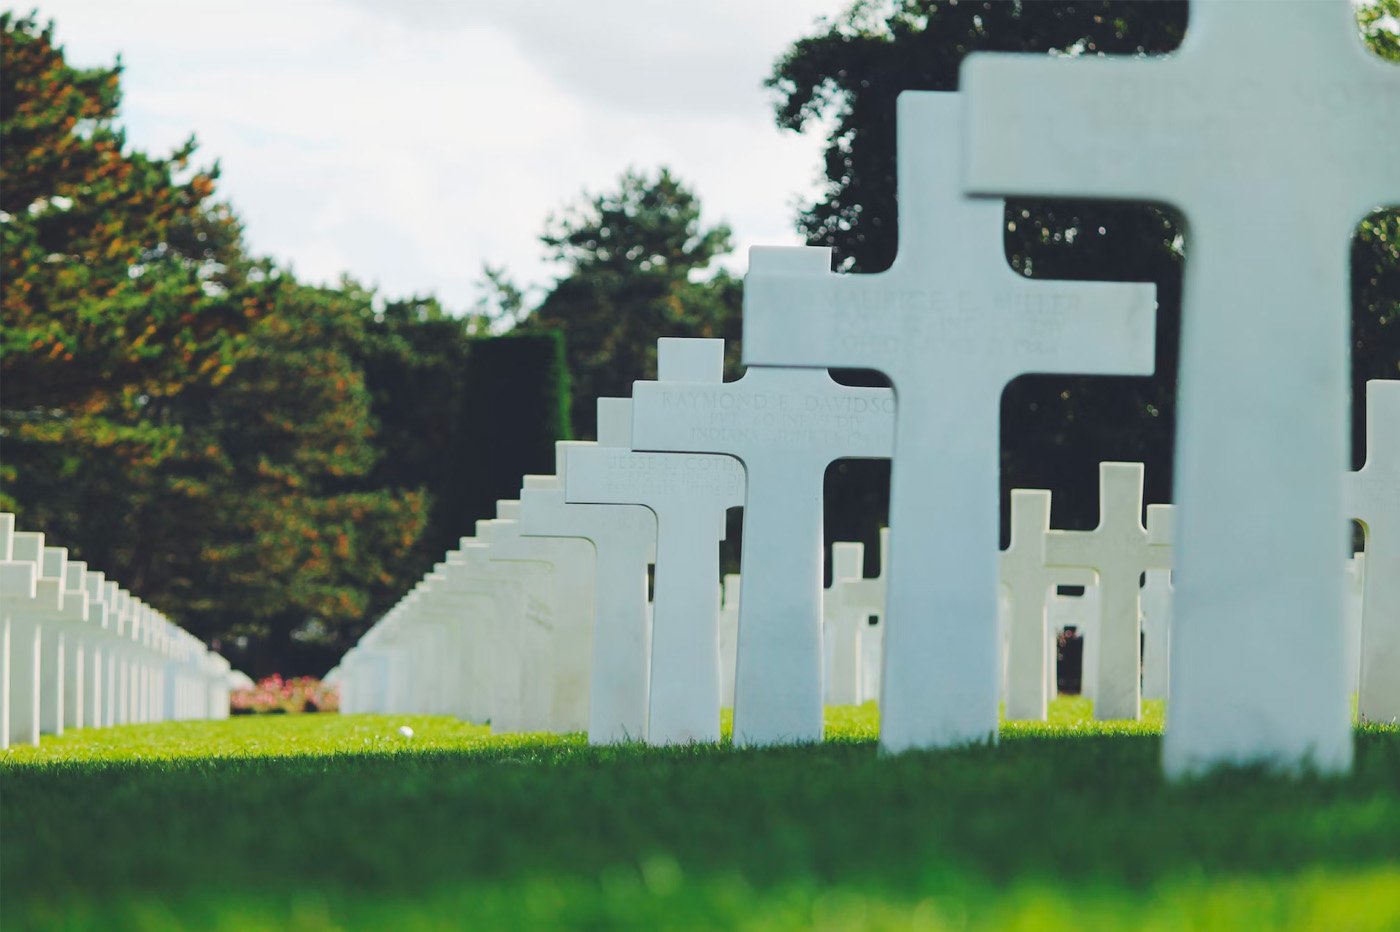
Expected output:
(298, 694)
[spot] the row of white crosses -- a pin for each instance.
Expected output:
(79, 651)
(1259, 671)
(1257, 668)
(542, 621)
(531, 628)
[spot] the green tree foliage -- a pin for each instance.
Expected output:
(270, 464)
(124, 283)
(1055, 430)
(636, 260)
(301, 549)
(461, 415)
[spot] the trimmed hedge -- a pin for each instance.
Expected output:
(516, 404)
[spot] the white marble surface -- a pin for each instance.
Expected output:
(842, 623)
(728, 638)
(1257, 673)
(1118, 550)
(866, 596)
(624, 541)
(1156, 633)
(786, 426)
(1029, 581)
(690, 494)
(951, 324)
(1373, 497)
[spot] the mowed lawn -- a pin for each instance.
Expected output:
(325, 821)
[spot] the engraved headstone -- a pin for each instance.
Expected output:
(786, 426)
(689, 493)
(1119, 550)
(950, 323)
(1373, 498)
(624, 541)
(1296, 97)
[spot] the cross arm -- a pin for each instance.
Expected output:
(1070, 548)
(1061, 127)
(1104, 328)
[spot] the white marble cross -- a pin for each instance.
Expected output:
(1119, 550)
(786, 426)
(866, 596)
(470, 598)
(573, 577)
(1351, 619)
(843, 624)
(1156, 633)
(624, 542)
(728, 639)
(1029, 582)
(489, 660)
(689, 493)
(19, 701)
(951, 324)
(1274, 133)
(1373, 498)
(524, 623)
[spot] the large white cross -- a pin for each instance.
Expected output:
(951, 324)
(786, 426)
(1028, 580)
(1373, 498)
(624, 541)
(1118, 550)
(1274, 131)
(690, 494)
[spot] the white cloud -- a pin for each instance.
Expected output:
(406, 143)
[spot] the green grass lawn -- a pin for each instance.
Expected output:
(321, 822)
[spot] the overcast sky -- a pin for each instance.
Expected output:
(409, 141)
